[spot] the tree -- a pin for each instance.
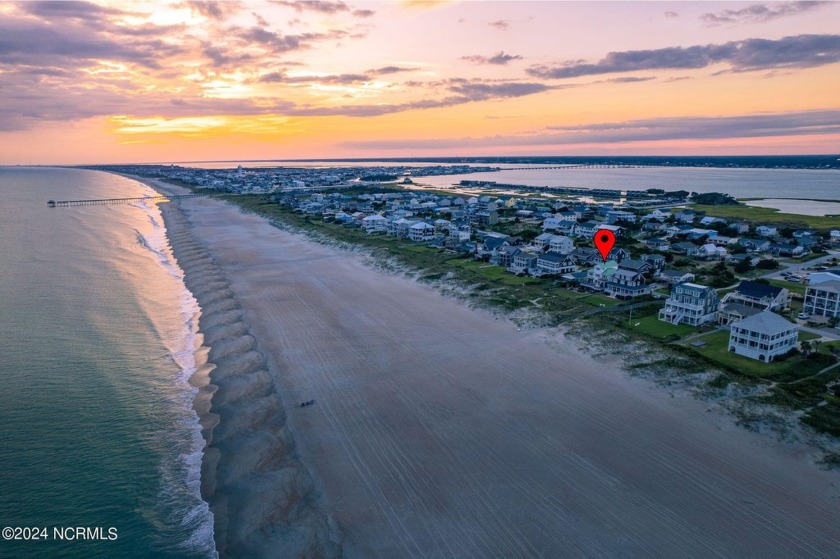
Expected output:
(767, 264)
(720, 268)
(714, 199)
(743, 266)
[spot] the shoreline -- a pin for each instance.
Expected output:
(261, 497)
(253, 236)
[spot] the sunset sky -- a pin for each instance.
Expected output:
(137, 81)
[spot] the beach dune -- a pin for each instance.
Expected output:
(441, 431)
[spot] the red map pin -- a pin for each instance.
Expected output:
(604, 240)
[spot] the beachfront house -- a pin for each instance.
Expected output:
(763, 336)
(522, 262)
(626, 284)
(823, 299)
(376, 223)
(420, 232)
(504, 255)
(554, 264)
(691, 304)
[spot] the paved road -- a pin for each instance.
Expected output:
(777, 274)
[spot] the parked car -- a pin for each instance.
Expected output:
(804, 316)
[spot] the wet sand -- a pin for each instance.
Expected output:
(441, 431)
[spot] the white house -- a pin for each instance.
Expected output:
(763, 336)
(710, 251)
(375, 224)
(421, 231)
(823, 299)
(561, 244)
(400, 227)
(766, 231)
(551, 223)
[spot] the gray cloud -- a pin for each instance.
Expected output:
(500, 24)
(35, 43)
(483, 91)
(655, 129)
(671, 14)
(800, 51)
(390, 70)
(74, 10)
(363, 13)
(315, 6)
(759, 13)
(500, 58)
(631, 79)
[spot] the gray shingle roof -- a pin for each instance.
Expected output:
(766, 322)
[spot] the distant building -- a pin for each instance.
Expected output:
(615, 216)
(688, 249)
(763, 336)
(690, 304)
(766, 231)
(823, 299)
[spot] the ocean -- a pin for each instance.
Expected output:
(97, 345)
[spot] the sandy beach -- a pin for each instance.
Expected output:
(442, 431)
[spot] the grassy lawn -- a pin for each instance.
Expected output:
(716, 350)
(807, 336)
(597, 300)
(826, 347)
(652, 326)
(769, 216)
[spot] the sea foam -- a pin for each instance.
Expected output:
(181, 472)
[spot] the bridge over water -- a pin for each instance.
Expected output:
(580, 166)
